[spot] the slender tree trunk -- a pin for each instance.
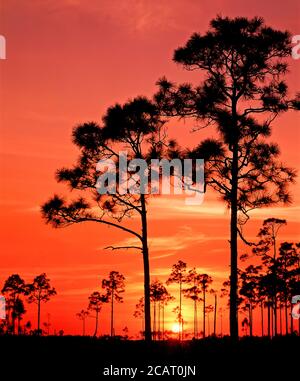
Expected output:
(195, 318)
(112, 314)
(147, 307)
(39, 315)
(204, 306)
(96, 327)
(208, 323)
(280, 317)
(154, 321)
(275, 315)
(272, 319)
(286, 317)
(262, 317)
(180, 314)
(233, 229)
(215, 315)
(292, 320)
(250, 319)
(275, 289)
(163, 321)
(13, 316)
(159, 308)
(221, 324)
(269, 320)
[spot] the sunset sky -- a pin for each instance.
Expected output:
(67, 61)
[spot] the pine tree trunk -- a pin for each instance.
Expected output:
(204, 305)
(96, 327)
(233, 230)
(159, 318)
(154, 321)
(163, 321)
(292, 320)
(39, 315)
(215, 316)
(280, 317)
(112, 314)
(180, 314)
(147, 307)
(262, 318)
(269, 320)
(250, 319)
(286, 317)
(195, 317)
(275, 290)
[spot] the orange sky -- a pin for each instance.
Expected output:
(67, 61)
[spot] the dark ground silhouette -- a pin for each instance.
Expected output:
(70, 357)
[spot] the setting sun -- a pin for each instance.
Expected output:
(176, 328)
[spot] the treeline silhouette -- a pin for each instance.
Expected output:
(16, 291)
(267, 286)
(272, 282)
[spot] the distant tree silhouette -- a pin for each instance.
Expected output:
(249, 291)
(27, 327)
(245, 325)
(268, 234)
(215, 294)
(19, 311)
(40, 291)
(13, 288)
(135, 127)
(178, 275)
(208, 310)
(243, 61)
(82, 315)
(114, 286)
(165, 299)
(272, 282)
(96, 301)
(193, 292)
(160, 297)
(139, 313)
(288, 270)
(205, 281)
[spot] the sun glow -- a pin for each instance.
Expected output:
(176, 327)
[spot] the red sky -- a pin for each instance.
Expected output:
(67, 61)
